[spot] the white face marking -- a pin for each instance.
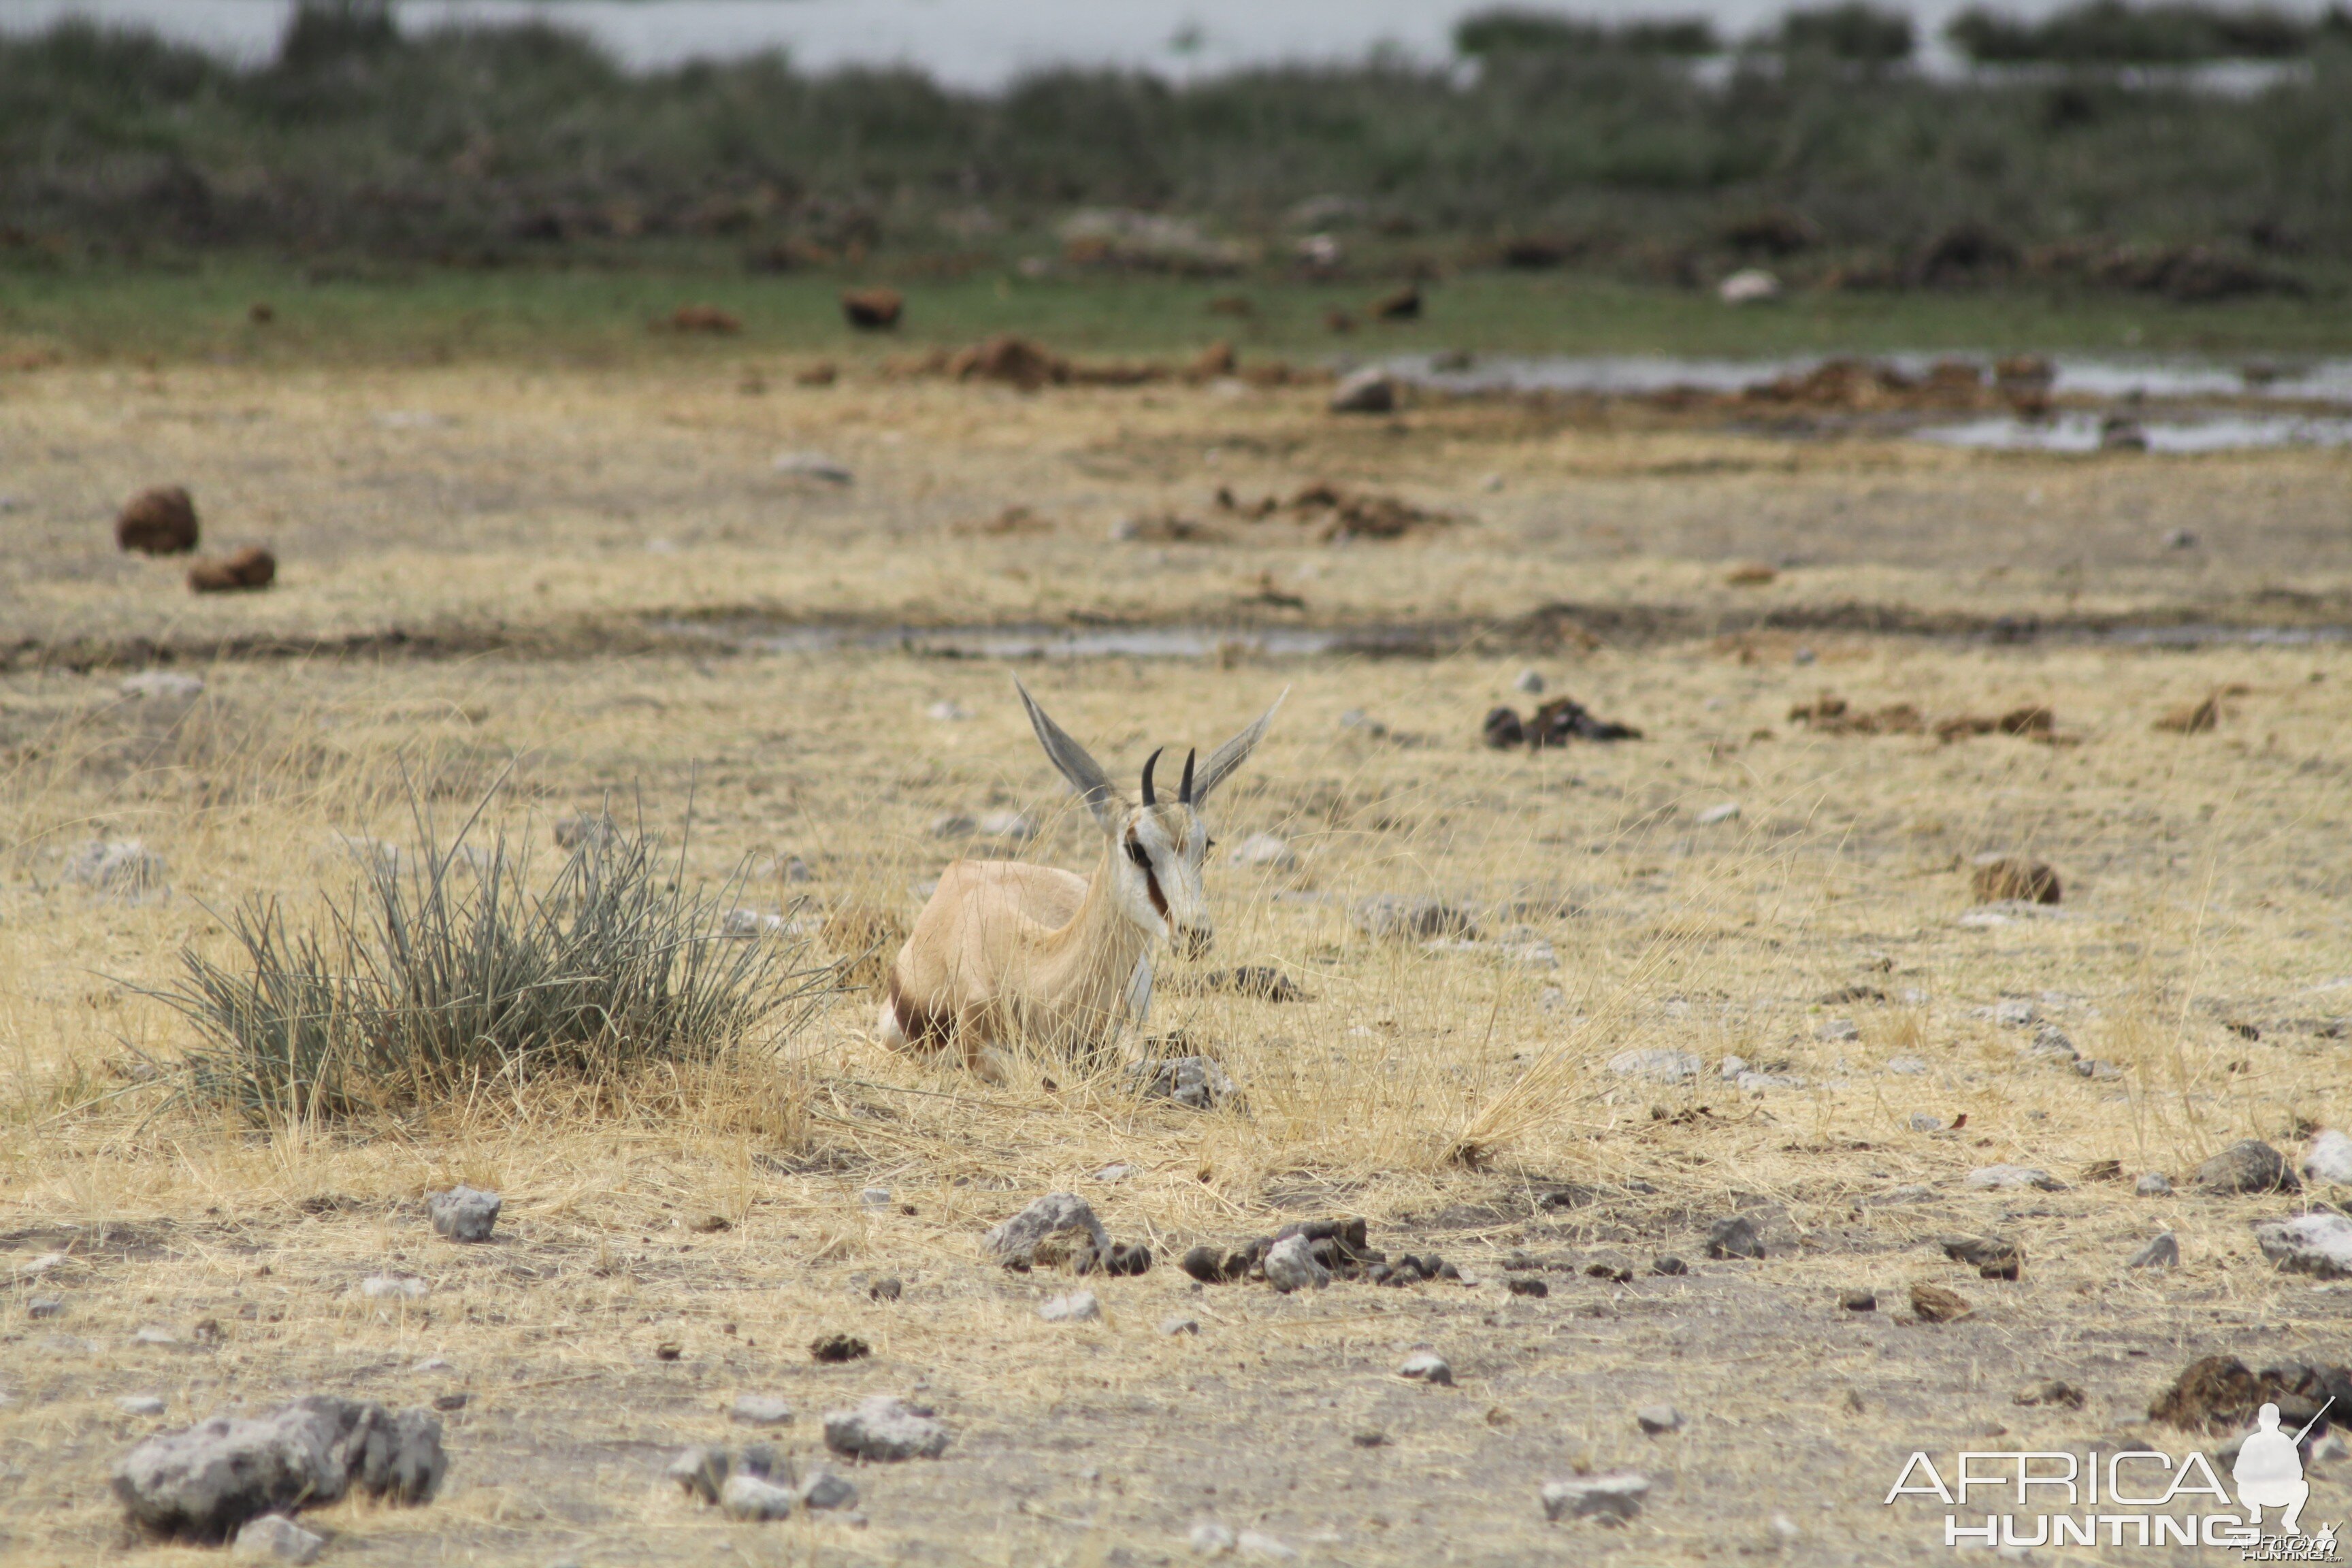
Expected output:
(1157, 858)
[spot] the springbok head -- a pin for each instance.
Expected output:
(1156, 847)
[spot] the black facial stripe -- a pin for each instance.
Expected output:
(1152, 885)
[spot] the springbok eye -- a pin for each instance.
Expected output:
(1138, 854)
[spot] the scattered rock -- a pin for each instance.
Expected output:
(1859, 1300)
(1530, 682)
(747, 1498)
(1115, 1173)
(1290, 1266)
(154, 1336)
(2329, 1158)
(759, 1410)
(274, 1538)
(163, 686)
(1263, 850)
(1715, 815)
(2194, 719)
(825, 1491)
(448, 1402)
(814, 466)
(1925, 1122)
(1370, 390)
(1556, 723)
(2011, 1178)
(1427, 1366)
(885, 1428)
(1535, 1288)
(1079, 1307)
(2000, 879)
(1260, 981)
(1605, 1500)
(2051, 1043)
(1748, 286)
(1656, 1064)
(2164, 1252)
(2035, 720)
(1734, 1238)
(1934, 1304)
(395, 1287)
(1838, 1031)
(465, 1214)
(2153, 1185)
(1195, 1081)
(1016, 1240)
(2053, 1392)
(831, 1350)
(1657, 1419)
(701, 1470)
(2249, 1165)
(160, 521)
(1255, 1544)
(1388, 918)
(241, 571)
(753, 924)
(207, 1482)
(1669, 1264)
(2014, 1012)
(1993, 1256)
(43, 1307)
(2319, 1244)
(1907, 1066)
(1179, 1324)
(874, 1197)
(1830, 714)
(121, 869)
(2212, 1394)
(139, 1405)
(872, 310)
(586, 829)
(1211, 1540)
(889, 1288)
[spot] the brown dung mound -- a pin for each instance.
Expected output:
(707, 319)
(244, 569)
(2003, 877)
(161, 521)
(873, 309)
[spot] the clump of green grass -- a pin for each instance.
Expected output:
(442, 975)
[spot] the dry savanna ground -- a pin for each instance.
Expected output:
(548, 589)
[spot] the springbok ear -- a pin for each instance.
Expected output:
(1070, 758)
(1232, 754)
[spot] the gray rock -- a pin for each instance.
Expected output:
(954, 825)
(1837, 1030)
(1656, 1065)
(701, 1470)
(1605, 1500)
(150, 1335)
(205, 1482)
(2329, 1158)
(274, 1538)
(139, 1405)
(163, 686)
(1657, 1419)
(746, 1499)
(1367, 391)
(759, 1410)
(1210, 1538)
(824, 1490)
(1049, 1215)
(465, 1214)
(2317, 1244)
(2164, 1252)
(1008, 825)
(2051, 1044)
(1263, 850)
(1078, 1307)
(1734, 1238)
(395, 1287)
(1265, 1548)
(41, 1306)
(2013, 1012)
(1118, 1172)
(2153, 1185)
(123, 868)
(2012, 1178)
(1727, 811)
(1907, 1066)
(1289, 1266)
(1758, 1082)
(585, 829)
(1386, 917)
(1926, 1121)
(947, 710)
(1195, 1081)
(885, 1428)
(749, 925)
(1859, 1300)
(2091, 1068)
(874, 1197)
(2249, 1165)
(814, 466)
(1427, 1366)
(1731, 1067)
(1530, 682)
(1179, 1324)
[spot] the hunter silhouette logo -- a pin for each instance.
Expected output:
(2269, 1471)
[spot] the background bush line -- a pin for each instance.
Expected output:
(507, 144)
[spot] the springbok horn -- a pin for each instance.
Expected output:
(1147, 761)
(1184, 790)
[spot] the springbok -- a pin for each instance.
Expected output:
(1005, 951)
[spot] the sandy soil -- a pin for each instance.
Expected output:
(481, 573)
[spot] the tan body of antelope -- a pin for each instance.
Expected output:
(1008, 952)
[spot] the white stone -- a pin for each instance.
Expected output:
(1427, 1366)
(1255, 1544)
(2329, 1158)
(812, 466)
(121, 869)
(41, 1265)
(465, 1214)
(1731, 1067)
(1657, 1064)
(752, 923)
(1713, 815)
(1748, 286)
(2013, 1012)
(1367, 391)
(1291, 1266)
(2010, 1178)
(885, 1428)
(2319, 1244)
(947, 713)
(1658, 1419)
(760, 1410)
(1838, 1030)
(1926, 1121)
(747, 1498)
(1907, 1066)
(1530, 680)
(1008, 825)
(1263, 849)
(274, 1538)
(395, 1287)
(1210, 1538)
(152, 1335)
(1119, 1173)
(1609, 1500)
(2154, 1184)
(1078, 1307)
(874, 1197)
(139, 1405)
(1179, 1324)
(164, 685)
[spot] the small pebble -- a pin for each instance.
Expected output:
(889, 1288)
(395, 1287)
(1859, 1300)
(1668, 1263)
(760, 1410)
(274, 1538)
(45, 1306)
(2153, 1186)
(1255, 1544)
(154, 1336)
(139, 1405)
(1179, 1324)
(2163, 1252)
(1427, 1366)
(748, 1497)
(1658, 1419)
(1078, 1307)
(1211, 1540)
(825, 1490)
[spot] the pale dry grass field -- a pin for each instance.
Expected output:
(548, 590)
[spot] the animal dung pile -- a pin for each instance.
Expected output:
(1014, 361)
(2220, 1393)
(1830, 714)
(2201, 718)
(1037, 1238)
(873, 309)
(1556, 723)
(707, 319)
(2033, 719)
(2000, 879)
(1313, 1251)
(161, 521)
(1331, 513)
(244, 571)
